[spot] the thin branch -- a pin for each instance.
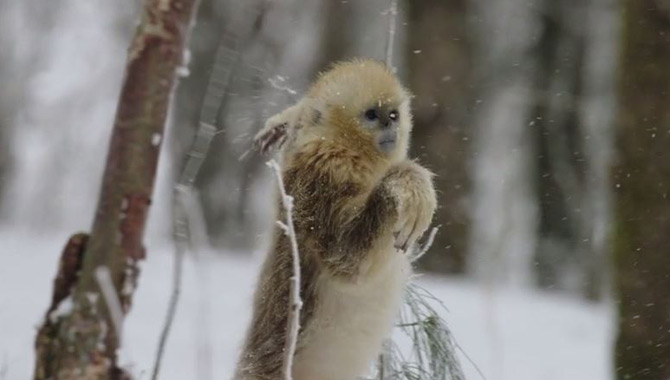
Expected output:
(184, 207)
(293, 323)
(187, 218)
(180, 238)
(278, 83)
(390, 38)
(426, 246)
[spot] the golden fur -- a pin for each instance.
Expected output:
(355, 206)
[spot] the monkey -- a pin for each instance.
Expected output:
(359, 207)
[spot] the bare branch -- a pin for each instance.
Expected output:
(295, 300)
(188, 225)
(426, 246)
(180, 231)
(185, 205)
(390, 39)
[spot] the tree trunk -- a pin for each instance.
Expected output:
(567, 255)
(438, 60)
(503, 208)
(79, 337)
(642, 188)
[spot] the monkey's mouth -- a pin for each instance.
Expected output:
(386, 142)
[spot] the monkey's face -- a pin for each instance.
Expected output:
(383, 121)
(366, 107)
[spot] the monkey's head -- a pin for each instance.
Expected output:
(364, 105)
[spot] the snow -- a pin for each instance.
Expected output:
(509, 333)
(156, 139)
(63, 308)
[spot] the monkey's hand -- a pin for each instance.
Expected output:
(412, 188)
(273, 135)
(278, 129)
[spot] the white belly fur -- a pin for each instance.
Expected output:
(351, 320)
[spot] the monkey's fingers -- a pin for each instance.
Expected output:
(405, 235)
(269, 138)
(414, 229)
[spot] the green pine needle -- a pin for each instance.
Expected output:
(433, 353)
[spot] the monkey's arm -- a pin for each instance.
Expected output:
(412, 186)
(399, 207)
(356, 229)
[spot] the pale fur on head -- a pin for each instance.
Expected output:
(338, 100)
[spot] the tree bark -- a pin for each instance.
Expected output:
(78, 339)
(642, 188)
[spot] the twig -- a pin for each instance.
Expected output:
(277, 83)
(180, 238)
(183, 198)
(384, 367)
(426, 246)
(104, 280)
(293, 323)
(393, 19)
(187, 220)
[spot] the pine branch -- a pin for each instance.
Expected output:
(433, 354)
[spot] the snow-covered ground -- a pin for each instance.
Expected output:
(509, 334)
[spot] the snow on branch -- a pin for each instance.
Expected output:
(104, 279)
(293, 324)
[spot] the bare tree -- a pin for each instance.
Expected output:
(98, 273)
(642, 188)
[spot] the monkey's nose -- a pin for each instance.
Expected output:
(385, 121)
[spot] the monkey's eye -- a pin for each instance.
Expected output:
(393, 115)
(371, 114)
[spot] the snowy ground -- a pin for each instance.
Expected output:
(509, 334)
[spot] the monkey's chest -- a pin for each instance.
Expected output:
(350, 322)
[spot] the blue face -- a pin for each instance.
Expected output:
(384, 121)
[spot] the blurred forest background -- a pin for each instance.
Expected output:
(547, 123)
